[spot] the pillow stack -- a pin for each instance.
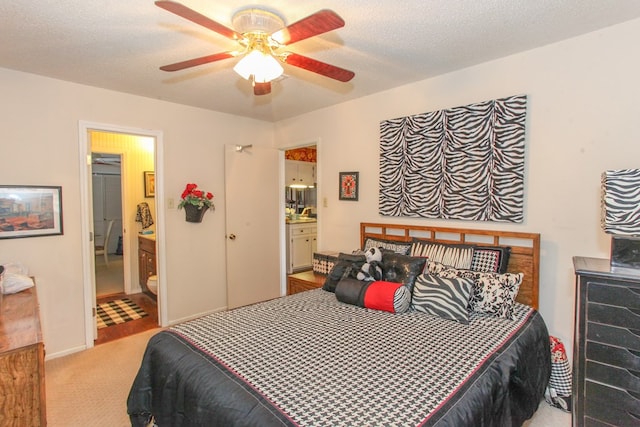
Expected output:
(492, 293)
(448, 281)
(392, 293)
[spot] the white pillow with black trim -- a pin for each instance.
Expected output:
(444, 297)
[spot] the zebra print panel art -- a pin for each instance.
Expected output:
(460, 163)
(621, 202)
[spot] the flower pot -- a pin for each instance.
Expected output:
(194, 213)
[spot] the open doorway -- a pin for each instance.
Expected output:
(136, 151)
(301, 207)
(123, 307)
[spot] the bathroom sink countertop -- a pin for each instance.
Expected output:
(148, 236)
(301, 221)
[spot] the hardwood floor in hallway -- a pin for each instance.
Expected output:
(115, 332)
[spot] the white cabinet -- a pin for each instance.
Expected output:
(299, 173)
(301, 244)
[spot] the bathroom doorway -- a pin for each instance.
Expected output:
(138, 154)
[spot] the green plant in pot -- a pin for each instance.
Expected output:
(195, 202)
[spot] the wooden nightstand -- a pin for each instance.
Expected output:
(304, 281)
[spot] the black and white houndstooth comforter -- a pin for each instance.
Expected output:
(310, 360)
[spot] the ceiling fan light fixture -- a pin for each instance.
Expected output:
(262, 66)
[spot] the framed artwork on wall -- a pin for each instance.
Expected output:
(30, 211)
(349, 186)
(149, 184)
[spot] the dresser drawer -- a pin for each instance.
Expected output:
(590, 422)
(621, 337)
(626, 380)
(621, 296)
(622, 357)
(611, 405)
(612, 315)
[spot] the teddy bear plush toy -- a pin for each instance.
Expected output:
(372, 269)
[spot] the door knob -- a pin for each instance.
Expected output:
(232, 237)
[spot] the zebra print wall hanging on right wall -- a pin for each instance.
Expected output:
(461, 163)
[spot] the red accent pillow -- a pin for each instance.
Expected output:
(387, 296)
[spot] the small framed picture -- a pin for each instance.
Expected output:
(149, 184)
(348, 186)
(30, 211)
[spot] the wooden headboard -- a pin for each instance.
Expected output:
(525, 247)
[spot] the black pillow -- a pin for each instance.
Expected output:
(401, 268)
(347, 265)
(351, 291)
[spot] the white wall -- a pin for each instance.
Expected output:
(40, 141)
(582, 119)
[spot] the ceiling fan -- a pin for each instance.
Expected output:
(261, 34)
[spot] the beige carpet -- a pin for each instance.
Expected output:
(91, 388)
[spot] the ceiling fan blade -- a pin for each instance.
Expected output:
(318, 67)
(262, 88)
(197, 61)
(318, 23)
(199, 19)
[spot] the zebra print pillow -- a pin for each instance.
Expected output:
(493, 293)
(447, 298)
(457, 256)
(391, 245)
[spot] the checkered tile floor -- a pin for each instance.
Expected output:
(118, 311)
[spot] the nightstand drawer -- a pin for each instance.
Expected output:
(304, 281)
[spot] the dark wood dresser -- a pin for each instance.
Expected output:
(606, 354)
(22, 392)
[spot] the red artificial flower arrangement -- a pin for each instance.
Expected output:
(192, 196)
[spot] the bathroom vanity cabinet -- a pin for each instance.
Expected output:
(146, 260)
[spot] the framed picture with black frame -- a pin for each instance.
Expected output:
(348, 189)
(30, 211)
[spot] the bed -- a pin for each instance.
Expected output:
(311, 360)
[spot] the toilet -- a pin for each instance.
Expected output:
(152, 284)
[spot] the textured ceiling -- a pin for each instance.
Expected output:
(119, 45)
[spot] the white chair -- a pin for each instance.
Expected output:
(104, 248)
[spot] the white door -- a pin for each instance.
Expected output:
(253, 212)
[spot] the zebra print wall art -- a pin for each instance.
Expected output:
(621, 215)
(621, 202)
(460, 163)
